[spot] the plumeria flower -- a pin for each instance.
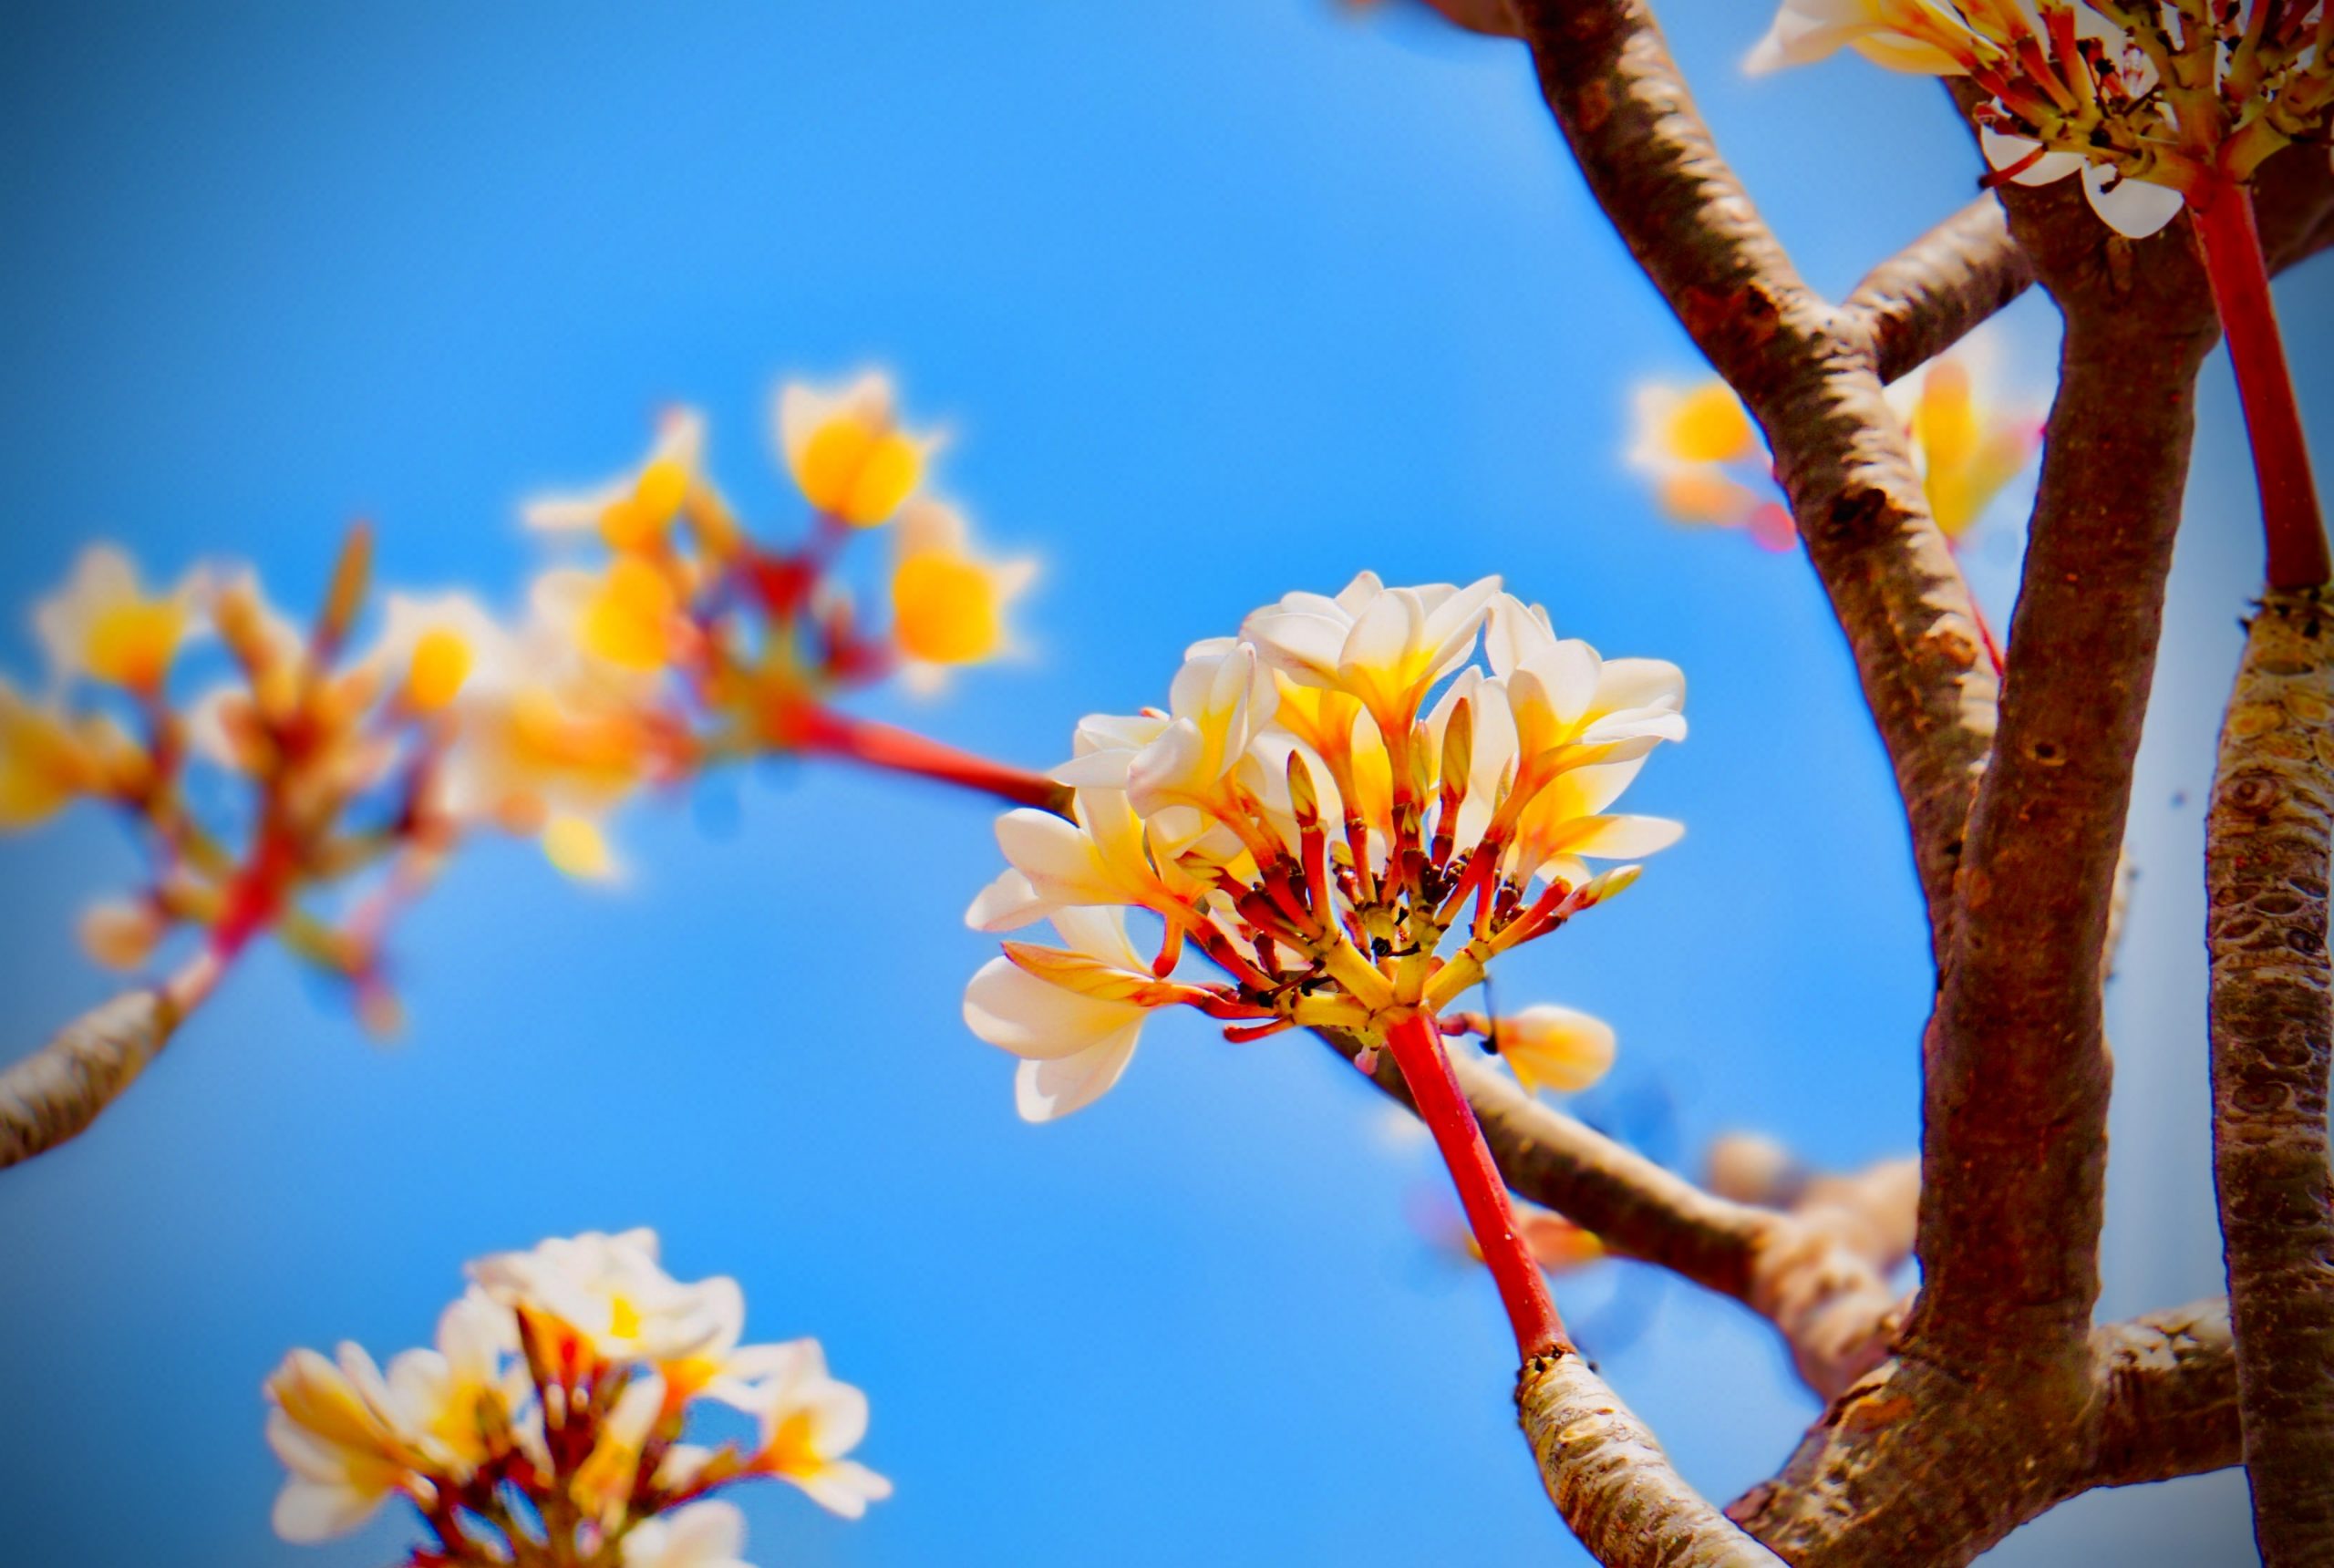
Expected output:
(606, 1296)
(1073, 1016)
(1553, 1047)
(1316, 839)
(2133, 207)
(847, 451)
(948, 603)
(634, 511)
(46, 763)
(1384, 646)
(333, 1427)
(1921, 36)
(1969, 441)
(439, 646)
(104, 625)
(708, 1534)
(602, 1484)
(449, 1399)
(808, 1422)
(1697, 446)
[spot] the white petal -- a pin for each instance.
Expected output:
(1006, 904)
(1014, 1011)
(2003, 151)
(1051, 1090)
(2133, 208)
(306, 1511)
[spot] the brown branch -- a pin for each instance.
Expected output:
(2267, 865)
(2167, 1387)
(1819, 1272)
(1937, 290)
(54, 1094)
(1807, 376)
(1609, 1479)
(2014, 1117)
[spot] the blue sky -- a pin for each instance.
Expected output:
(1222, 298)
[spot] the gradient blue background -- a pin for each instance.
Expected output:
(1222, 298)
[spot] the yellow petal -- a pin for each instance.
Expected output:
(638, 520)
(886, 476)
(629, 621)
(1708, 426)
(944, 610)
(578, 849)
(131, 643)
(441, 663)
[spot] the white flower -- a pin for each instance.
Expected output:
(846, 449)
(334, 1427)
(808, 1422)
(1073, 1016)
(609, 1291)
(1385, 646)
(2135, 208)
(1561, 692)
(1548, 1047)
(708, 1534)
(104, 625)
(633, 510)
(1221, 697)
(1921, 36)
(1053, 864)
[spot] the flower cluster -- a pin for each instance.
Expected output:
(1700, 453)
(2152, 101)
(1349, 855)
(546, 1426)
(671, 642)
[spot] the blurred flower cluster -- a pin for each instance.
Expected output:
(667, 640)
(1300, 814)
(547, 1426)
(2148, 99)
(1696, 446)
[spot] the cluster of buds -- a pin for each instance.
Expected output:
(684, 644)
(2154, 102)
(1697, 446)
(1351, 858)
(546, 1426)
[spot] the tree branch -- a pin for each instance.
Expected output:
(2167, 1405)
(54, 1094)
(1809, 378)
(2267, 865)
(2014, 1117)
(1609, 1479)
(1938, 289)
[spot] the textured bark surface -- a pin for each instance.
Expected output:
(55, 1093)
(1940, 288)
(2016, 1080)
(2167, 1396)
(1805, 370)
(2272, 1033)
(1611, 1481)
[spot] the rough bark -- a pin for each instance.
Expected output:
(1940, 288)
(1805, 371)
(2167, 1397)
(1609, 1479)
(54, 1094)
(2272, 1034)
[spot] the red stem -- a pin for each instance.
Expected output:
(2290, 520)
(904, 751)
(1416, 1045)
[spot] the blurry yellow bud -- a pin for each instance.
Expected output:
(1548, 1047)
(122, 935)
(1707, 425)
(441, 663)
(1945, 420)
(857, 471)
(133, 642)
(629, 621)
(638, 520)
(43, 765)
(945, 609)
(578, 849)
(1705, 496)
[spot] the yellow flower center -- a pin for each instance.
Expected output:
(629, 621)
(638, 520)
(441, 663)
(945, 609)
(854, 470)
(1708, 426)
(793, 1448)
(624, 1317)
(131, 643)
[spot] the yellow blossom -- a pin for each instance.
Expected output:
(846, 449)
(948, 604)
(634, 511)
(808, 1422)
(334, 1430)
(1548, 1047)
(44, 765)
(104, 625)
(1969, 448)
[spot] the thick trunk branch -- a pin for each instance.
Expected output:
(54, 1094)
(2267, 844)
(1805, 371)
